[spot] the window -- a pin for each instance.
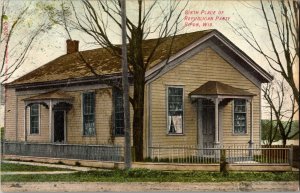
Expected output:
(175, 110)
(118, 113)
(34, 119)
(240, 116)
(88, 113)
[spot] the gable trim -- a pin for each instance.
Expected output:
(244, 56)
(200, 45)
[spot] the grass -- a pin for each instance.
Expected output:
(144, 175)
(11, 167)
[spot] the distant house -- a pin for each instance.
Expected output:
(208, 94)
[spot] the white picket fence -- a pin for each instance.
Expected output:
(232, 154)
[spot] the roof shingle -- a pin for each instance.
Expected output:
(218, 88)
(71, 66)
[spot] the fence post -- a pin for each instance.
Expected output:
(250, 148)
(2, 148)
(291, 155)
(223, 163)
(132, 154)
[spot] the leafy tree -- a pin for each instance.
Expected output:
(295, 129)
(277, 97)
(269, 130)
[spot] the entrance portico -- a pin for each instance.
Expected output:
(211, 98)
(58, 103)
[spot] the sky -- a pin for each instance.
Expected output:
(52, 43)
(212, 14)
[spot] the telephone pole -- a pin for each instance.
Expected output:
(127, 143)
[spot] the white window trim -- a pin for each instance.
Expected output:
(167, 109)
(246, 109)
(82, 127)
(39, 119)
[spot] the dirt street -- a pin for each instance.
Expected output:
(150, 187)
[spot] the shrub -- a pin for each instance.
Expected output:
(2, 134)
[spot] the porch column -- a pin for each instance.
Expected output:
(200, 125)
(216, 122)
(50, 121)
(251, 129)
(251, 124)
(25, 123)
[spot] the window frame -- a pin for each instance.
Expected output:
(115, 92)
(38, 119)
(167, 109)
(83, 113)
(233, 117)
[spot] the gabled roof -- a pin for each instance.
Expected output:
(70, 67)
(219, 88)
(225, 48)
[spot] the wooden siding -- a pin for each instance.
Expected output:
(74, 131)
(103, 119)
(10, 115)
(192, 73)
(204, 66)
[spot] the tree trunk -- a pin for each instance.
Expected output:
(138, 116)
(284, 142)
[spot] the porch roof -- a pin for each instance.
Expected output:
(54, 95)
(218, 88)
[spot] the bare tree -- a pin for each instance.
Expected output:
(21, 23)
(276, 94)
(282, 30)
(160, 18)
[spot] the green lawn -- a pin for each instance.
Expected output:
(143, 175)
(11, 167)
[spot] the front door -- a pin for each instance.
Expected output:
(59, 126)
(207, 131)
(208, 125)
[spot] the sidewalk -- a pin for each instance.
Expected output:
(134, 186)
(150, 187)
(77, 168)
(40, 172)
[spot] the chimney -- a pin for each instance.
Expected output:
(72, 46)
